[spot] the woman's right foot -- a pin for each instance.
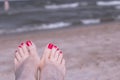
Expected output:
(21, 54)
(52, 64)
(26, 62)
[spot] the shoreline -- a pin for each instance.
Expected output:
(62, 33)
(59, 29)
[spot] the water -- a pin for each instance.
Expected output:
(31, 15)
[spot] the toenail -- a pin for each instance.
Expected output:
(28, 43)
(22, 43)
(19, 46)
(60, 52)
(55, 46)
(50, 46)
(57, 49)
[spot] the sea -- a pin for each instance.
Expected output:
(37, 15)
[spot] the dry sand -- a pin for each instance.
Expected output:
(91, 53)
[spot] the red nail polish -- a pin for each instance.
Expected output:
(50, 46)
(22, 43)
(28, 43)
(57, 49)
(19, 46)
(60, 52)
(55, 46)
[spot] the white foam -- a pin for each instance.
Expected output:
(108, 3)
(55, 25)
(43, 26)
(71, 5)
(90, 21)
(36, 27)
(83, 3)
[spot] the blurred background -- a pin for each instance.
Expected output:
(87, 31)
(31, 15)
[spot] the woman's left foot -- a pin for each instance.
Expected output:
(53, 64)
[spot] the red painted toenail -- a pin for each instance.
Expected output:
(22, 43)
(50, 46)
(55, 46)
(28, 43)
(60, 52)
(57, 49)
(19, 46)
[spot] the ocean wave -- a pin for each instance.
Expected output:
(84, 3)
(108, 3)
(118, 17)
(21, 11)
(70, 5)
(2, 31)
(90, 21)
(117, 7)
(37, 27)
(13, 0)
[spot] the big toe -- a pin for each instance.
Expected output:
(46, 54)
(47, 51)
(33, 51)
(31, 48)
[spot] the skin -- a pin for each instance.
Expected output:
(53, 64)
(26, 62)
(6, 5)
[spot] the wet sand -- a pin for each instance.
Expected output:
(91, 52)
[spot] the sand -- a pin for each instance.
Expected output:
(91, 52)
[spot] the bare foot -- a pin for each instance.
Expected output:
(52, 64)
(26, 61)
(20, 55)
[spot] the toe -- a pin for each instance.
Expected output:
(57, 55)
(60, 57)
(46, 55)
(17, 56)
(20, 51)
(16, 62)
(24, 48)
(54, 49)
(63, 62)
(31, 47)
(15, 59)
(48, 51)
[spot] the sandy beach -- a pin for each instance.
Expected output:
(91, 52)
